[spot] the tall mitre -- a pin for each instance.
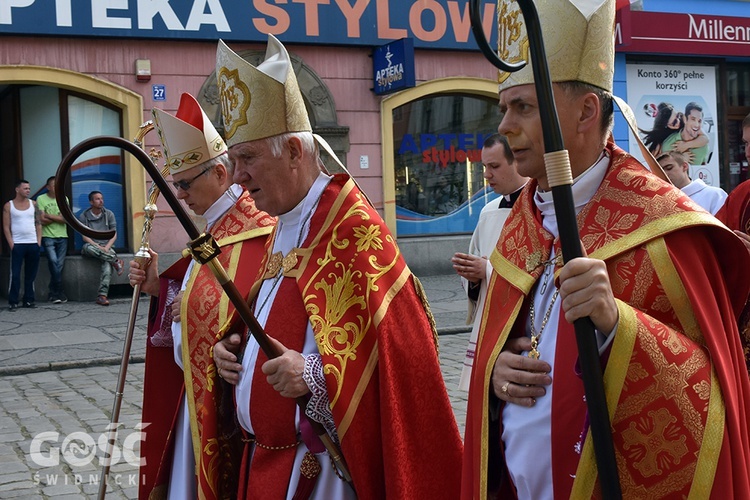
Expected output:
(259, 102)
(188, 138)
(578, 41)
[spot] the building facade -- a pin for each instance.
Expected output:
(98, 68)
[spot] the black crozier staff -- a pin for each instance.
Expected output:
(560, 179)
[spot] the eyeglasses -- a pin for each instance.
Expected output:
(185, 185)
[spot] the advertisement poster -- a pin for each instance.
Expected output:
(675, 107)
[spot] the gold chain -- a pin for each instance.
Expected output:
(270, 448)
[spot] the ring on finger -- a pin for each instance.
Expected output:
(504, 388)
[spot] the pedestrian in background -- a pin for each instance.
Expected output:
(677, 168)
(22, 231)
(54, 240)
(473, 267)
(101, 219)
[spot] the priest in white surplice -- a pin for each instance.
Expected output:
(501, 175)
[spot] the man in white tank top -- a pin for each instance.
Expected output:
(24, 235)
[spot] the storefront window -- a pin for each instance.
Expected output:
(99, 169)
(439, 184)
(738, 83)
(59, 119)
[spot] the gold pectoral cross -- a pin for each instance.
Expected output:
(533, 353)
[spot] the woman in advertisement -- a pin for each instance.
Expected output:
(667, 121)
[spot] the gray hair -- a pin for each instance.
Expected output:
(222, 159)
(276, 143)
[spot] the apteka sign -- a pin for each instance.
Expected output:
(393, 66)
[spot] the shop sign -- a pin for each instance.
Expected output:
(393, 66)
(444, 149)
(436, 24)
(694, 34)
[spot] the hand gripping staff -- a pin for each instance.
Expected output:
(144, 259)
(560, 180)
(203, 248)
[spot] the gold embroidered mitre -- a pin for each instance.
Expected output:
(578, 40)
(259, 102)
(188, 139)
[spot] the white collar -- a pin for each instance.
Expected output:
(312, 196)
(584, 187)
(294, 224)
(507, 196)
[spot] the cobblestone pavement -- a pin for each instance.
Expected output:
(79, 400)
(57, 381)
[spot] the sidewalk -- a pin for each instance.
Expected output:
(58, 372)
(80, 334)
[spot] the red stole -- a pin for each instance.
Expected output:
(162, 393)
(372, 328)
(273, 415)
(241, 233)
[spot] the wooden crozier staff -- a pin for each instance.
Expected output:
(202, 247)
(557, 165)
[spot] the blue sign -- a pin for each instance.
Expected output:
(393, 66)
(159, 92)
(434, 24)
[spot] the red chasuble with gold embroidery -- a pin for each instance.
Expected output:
(736, 215)
(676, 386)
(378, 345)
(241, 233)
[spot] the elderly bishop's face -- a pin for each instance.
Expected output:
(267, 179)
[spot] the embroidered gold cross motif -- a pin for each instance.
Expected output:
(277, 262)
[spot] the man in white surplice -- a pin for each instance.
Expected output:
(501, 175)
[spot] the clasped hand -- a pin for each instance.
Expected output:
(469, 266)
(284, 373)
(585, 291)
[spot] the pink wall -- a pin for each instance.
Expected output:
(183, 67)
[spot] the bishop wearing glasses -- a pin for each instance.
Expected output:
(188, 452)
